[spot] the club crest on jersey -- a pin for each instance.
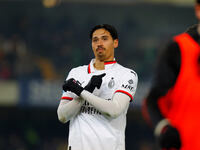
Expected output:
(111, 83)
(130, 81)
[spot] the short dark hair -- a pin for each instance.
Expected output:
(111, 29)
(198, 1)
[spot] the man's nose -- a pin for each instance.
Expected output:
(100, 42)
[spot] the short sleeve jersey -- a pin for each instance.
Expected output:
(90, 129)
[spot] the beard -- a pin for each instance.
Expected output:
(100, 53)
(101, 56)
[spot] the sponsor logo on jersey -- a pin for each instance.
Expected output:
(127, 86)
(111, 83)
(87, 108)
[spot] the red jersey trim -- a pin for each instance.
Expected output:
(89, 70)
(125, 93)
(105, 63)
(67, 98)
(110, 62)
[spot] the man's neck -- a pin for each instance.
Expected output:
(99, 65)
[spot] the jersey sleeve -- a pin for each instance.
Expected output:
(128, 84)
(69, 95)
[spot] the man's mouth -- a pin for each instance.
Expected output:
(100, 49)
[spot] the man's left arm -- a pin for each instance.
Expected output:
(120, 100)
(112, 108)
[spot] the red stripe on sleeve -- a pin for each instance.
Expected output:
(67, 98)
(125, 93)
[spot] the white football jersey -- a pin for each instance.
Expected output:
(90, 129)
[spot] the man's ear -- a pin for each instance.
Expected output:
(116, 42)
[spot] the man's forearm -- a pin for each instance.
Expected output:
(68, 109)
(112, 108)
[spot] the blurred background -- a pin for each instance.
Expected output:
(41, 40)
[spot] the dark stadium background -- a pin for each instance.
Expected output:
(39, 44)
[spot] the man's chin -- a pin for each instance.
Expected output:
(101, 57)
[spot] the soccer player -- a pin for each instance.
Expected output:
(173, 103)
(96, 97)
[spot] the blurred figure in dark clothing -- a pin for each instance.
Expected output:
(172, 105)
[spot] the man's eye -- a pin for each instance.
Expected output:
(105, 38)
(95, 40)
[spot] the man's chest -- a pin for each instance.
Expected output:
(110, 83)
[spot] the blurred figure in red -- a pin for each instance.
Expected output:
(173, 103)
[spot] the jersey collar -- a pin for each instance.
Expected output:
(107, 64)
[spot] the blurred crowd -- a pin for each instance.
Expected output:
(16, 142)
(44, 44)
(18, 62)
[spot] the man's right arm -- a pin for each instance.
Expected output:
(69, 108)
(70, 103)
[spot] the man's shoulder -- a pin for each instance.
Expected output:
(125, 70)
(79, 68)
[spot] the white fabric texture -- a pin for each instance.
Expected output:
(112, 108)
